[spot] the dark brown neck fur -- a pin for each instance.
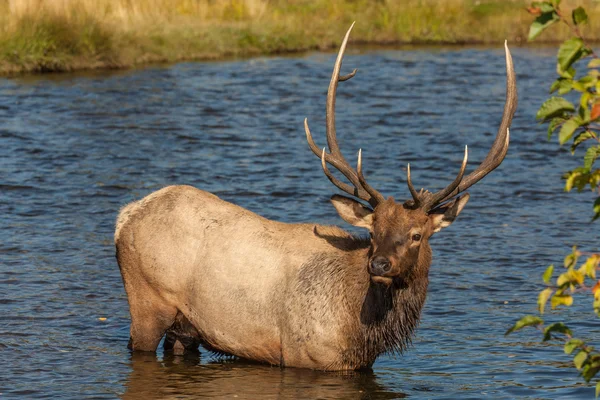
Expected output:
(377, 319)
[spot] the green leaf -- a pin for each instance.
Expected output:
(580, 358)
(596, 209)
(572, 344)
(585, 114)
(594, 63)
(557, 327)
(576, 277)
(589, 371)
(579, 16)
(571, 277)
(589, 266)
(541, 23)
(554, 107)
(576, 178)
(597, 389)
(585, 100)
(595, 178)
(596, 303)
(557, 300)
(563, 85)
(527, 320)
(569, 52)
(571, 259)
(548, 274)
(543, 299)
(570, 73)
(590, 157)
(580, 138)
(545, 7)
(579, 86)
(554, 123)
(571, 177)
(568, 129)
(587, 81)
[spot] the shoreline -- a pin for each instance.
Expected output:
(16, 71)
(38, 36)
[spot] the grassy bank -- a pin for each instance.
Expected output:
(63, 35)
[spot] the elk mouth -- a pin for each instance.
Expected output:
(385, 280)
(397, 282)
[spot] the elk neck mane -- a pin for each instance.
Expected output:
(377, 319)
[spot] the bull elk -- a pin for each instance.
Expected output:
(207, 272)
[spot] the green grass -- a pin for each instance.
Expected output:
(65, 35)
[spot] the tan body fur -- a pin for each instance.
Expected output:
(287, 294)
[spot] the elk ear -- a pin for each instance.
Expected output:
(443, 216)
(352, 211)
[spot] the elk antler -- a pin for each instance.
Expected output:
(427, 201)
(423, 199)
(335, 158)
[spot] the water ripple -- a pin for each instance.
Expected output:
(75, 148)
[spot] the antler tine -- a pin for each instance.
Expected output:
(345, 169)
(348, 76)
(354, 191)
(331, 93)
(438, 197)
(376, 197)
(500, 147)
(335, 157)
(413, 192)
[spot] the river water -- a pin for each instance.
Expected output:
(75, 148)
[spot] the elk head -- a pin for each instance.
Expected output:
(399, 231)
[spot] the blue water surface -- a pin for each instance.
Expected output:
(74, 148)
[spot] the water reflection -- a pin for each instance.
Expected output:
(183, 377)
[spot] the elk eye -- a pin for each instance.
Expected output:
(416, 237)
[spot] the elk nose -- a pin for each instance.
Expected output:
(380, 265)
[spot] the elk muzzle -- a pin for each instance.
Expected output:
(380, 266)
(382, 270)
(387, 269)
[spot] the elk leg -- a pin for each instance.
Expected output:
(181, 337)
(173, 344)
(150, 319)
(180, 345)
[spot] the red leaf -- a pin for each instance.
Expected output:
(595, 111)
(596, 287)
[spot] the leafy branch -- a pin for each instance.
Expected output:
(579, 125)
(585, 357)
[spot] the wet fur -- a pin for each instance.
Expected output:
(378, 319)
(382, 318)
(327, 313)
